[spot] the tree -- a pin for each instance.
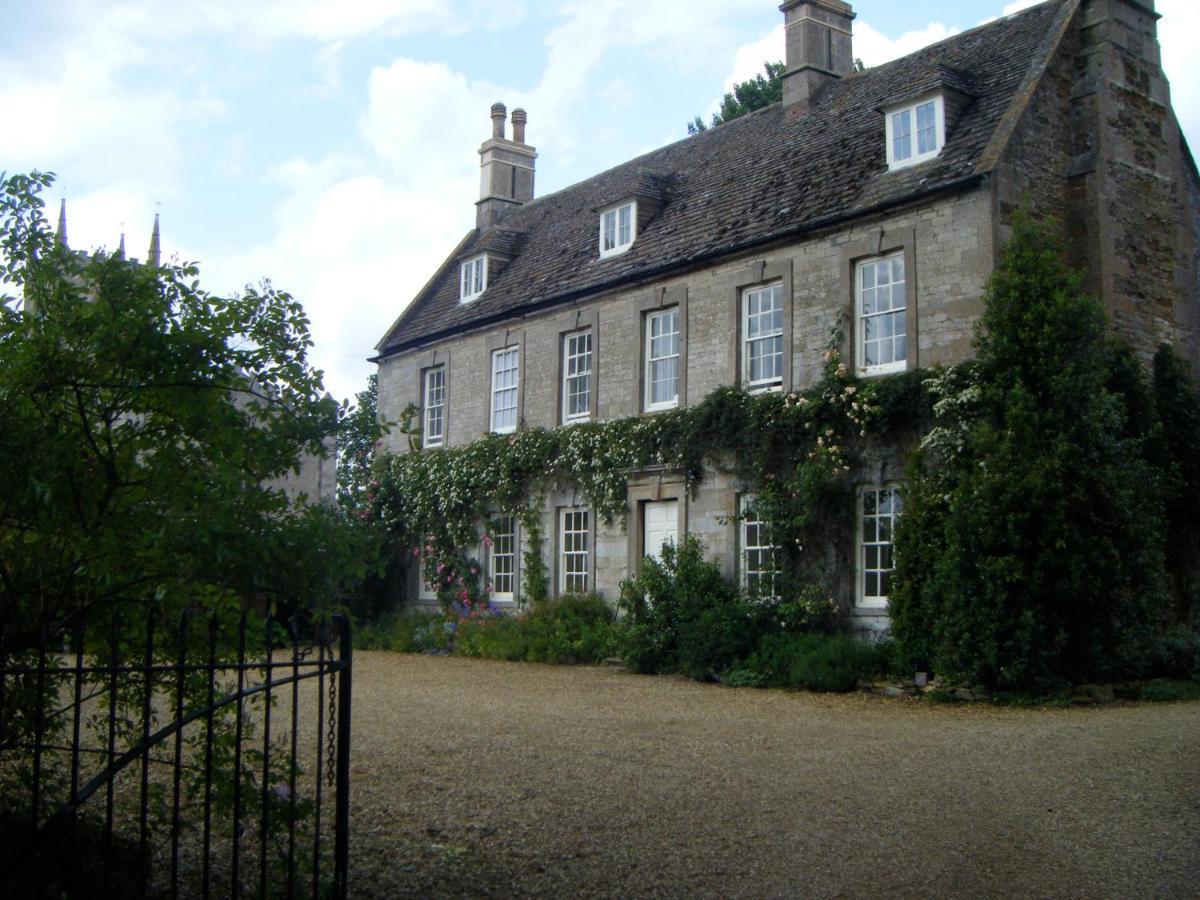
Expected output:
(357, 440)
(746, 97)
(140, 417)
(1030, 552)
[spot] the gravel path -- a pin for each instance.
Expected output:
(479, 778)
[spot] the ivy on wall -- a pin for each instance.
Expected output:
(799, 449)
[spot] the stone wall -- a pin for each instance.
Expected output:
(1099, 147)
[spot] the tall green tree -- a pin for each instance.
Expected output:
(140, 419)
(755, 93)
(746, 97)
(357, 442)
(1030, 551)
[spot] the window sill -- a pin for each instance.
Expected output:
(773, 388)
(870, 608)
(661, 407)
(615, 251)
(889, 369)
(913, 161)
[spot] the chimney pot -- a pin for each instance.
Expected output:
(499, 114)
(518, 122)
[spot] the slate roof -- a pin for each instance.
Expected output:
(758, 179)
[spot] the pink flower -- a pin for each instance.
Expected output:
(416, 551)
(441, 568)
(474, 571)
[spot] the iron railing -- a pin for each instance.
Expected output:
(210, 760)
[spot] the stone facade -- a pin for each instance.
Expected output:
(1086, 136)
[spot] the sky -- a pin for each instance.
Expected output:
(331, 145)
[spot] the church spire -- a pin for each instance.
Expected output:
(61, 236)
(121, 247)
(154, 254)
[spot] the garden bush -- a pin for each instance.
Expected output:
(682, 616)
(830, 663)
(577, 628)
(1030, 553)
(817, 662)
(492, 637)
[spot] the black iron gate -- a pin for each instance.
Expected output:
(200, 759)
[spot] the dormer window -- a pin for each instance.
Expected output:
(915, 132)
(473, 279)
(618, 228)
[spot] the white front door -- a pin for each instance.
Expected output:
(660, 525)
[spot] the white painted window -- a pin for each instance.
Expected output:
(662, 359)
(577, 377)
(762, 337)
(574, 541)
(433, 432)
(915, 132)
(473, 278)
(759, 569)
(502, 561)
(505, 384)
(618, 228)
(879, 508)
(882, 306)
(427, 587)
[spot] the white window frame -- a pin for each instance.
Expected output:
(860, 319)
(504, 547)
(498, 390)
(776, 381)
(748, 522)
(618, 229)
(574, 526)
(648, 343)
(428, 438)
(894, 115)
(586, 367)
(877, 600)
(472, 278)
(426, 589)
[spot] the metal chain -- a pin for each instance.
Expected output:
(331, 734)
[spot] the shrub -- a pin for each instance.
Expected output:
(831, 664)
(494, 637)
(818, 662)
(682, 616)
(577, 628)
(1029, 553)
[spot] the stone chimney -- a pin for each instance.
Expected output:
(819, 48)
(506, 168)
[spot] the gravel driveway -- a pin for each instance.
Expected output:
(479, 778)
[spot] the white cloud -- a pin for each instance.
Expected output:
(874, 47)
(1179, 35)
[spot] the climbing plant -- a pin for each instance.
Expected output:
(798, 448)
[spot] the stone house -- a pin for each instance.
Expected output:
(881, 197)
